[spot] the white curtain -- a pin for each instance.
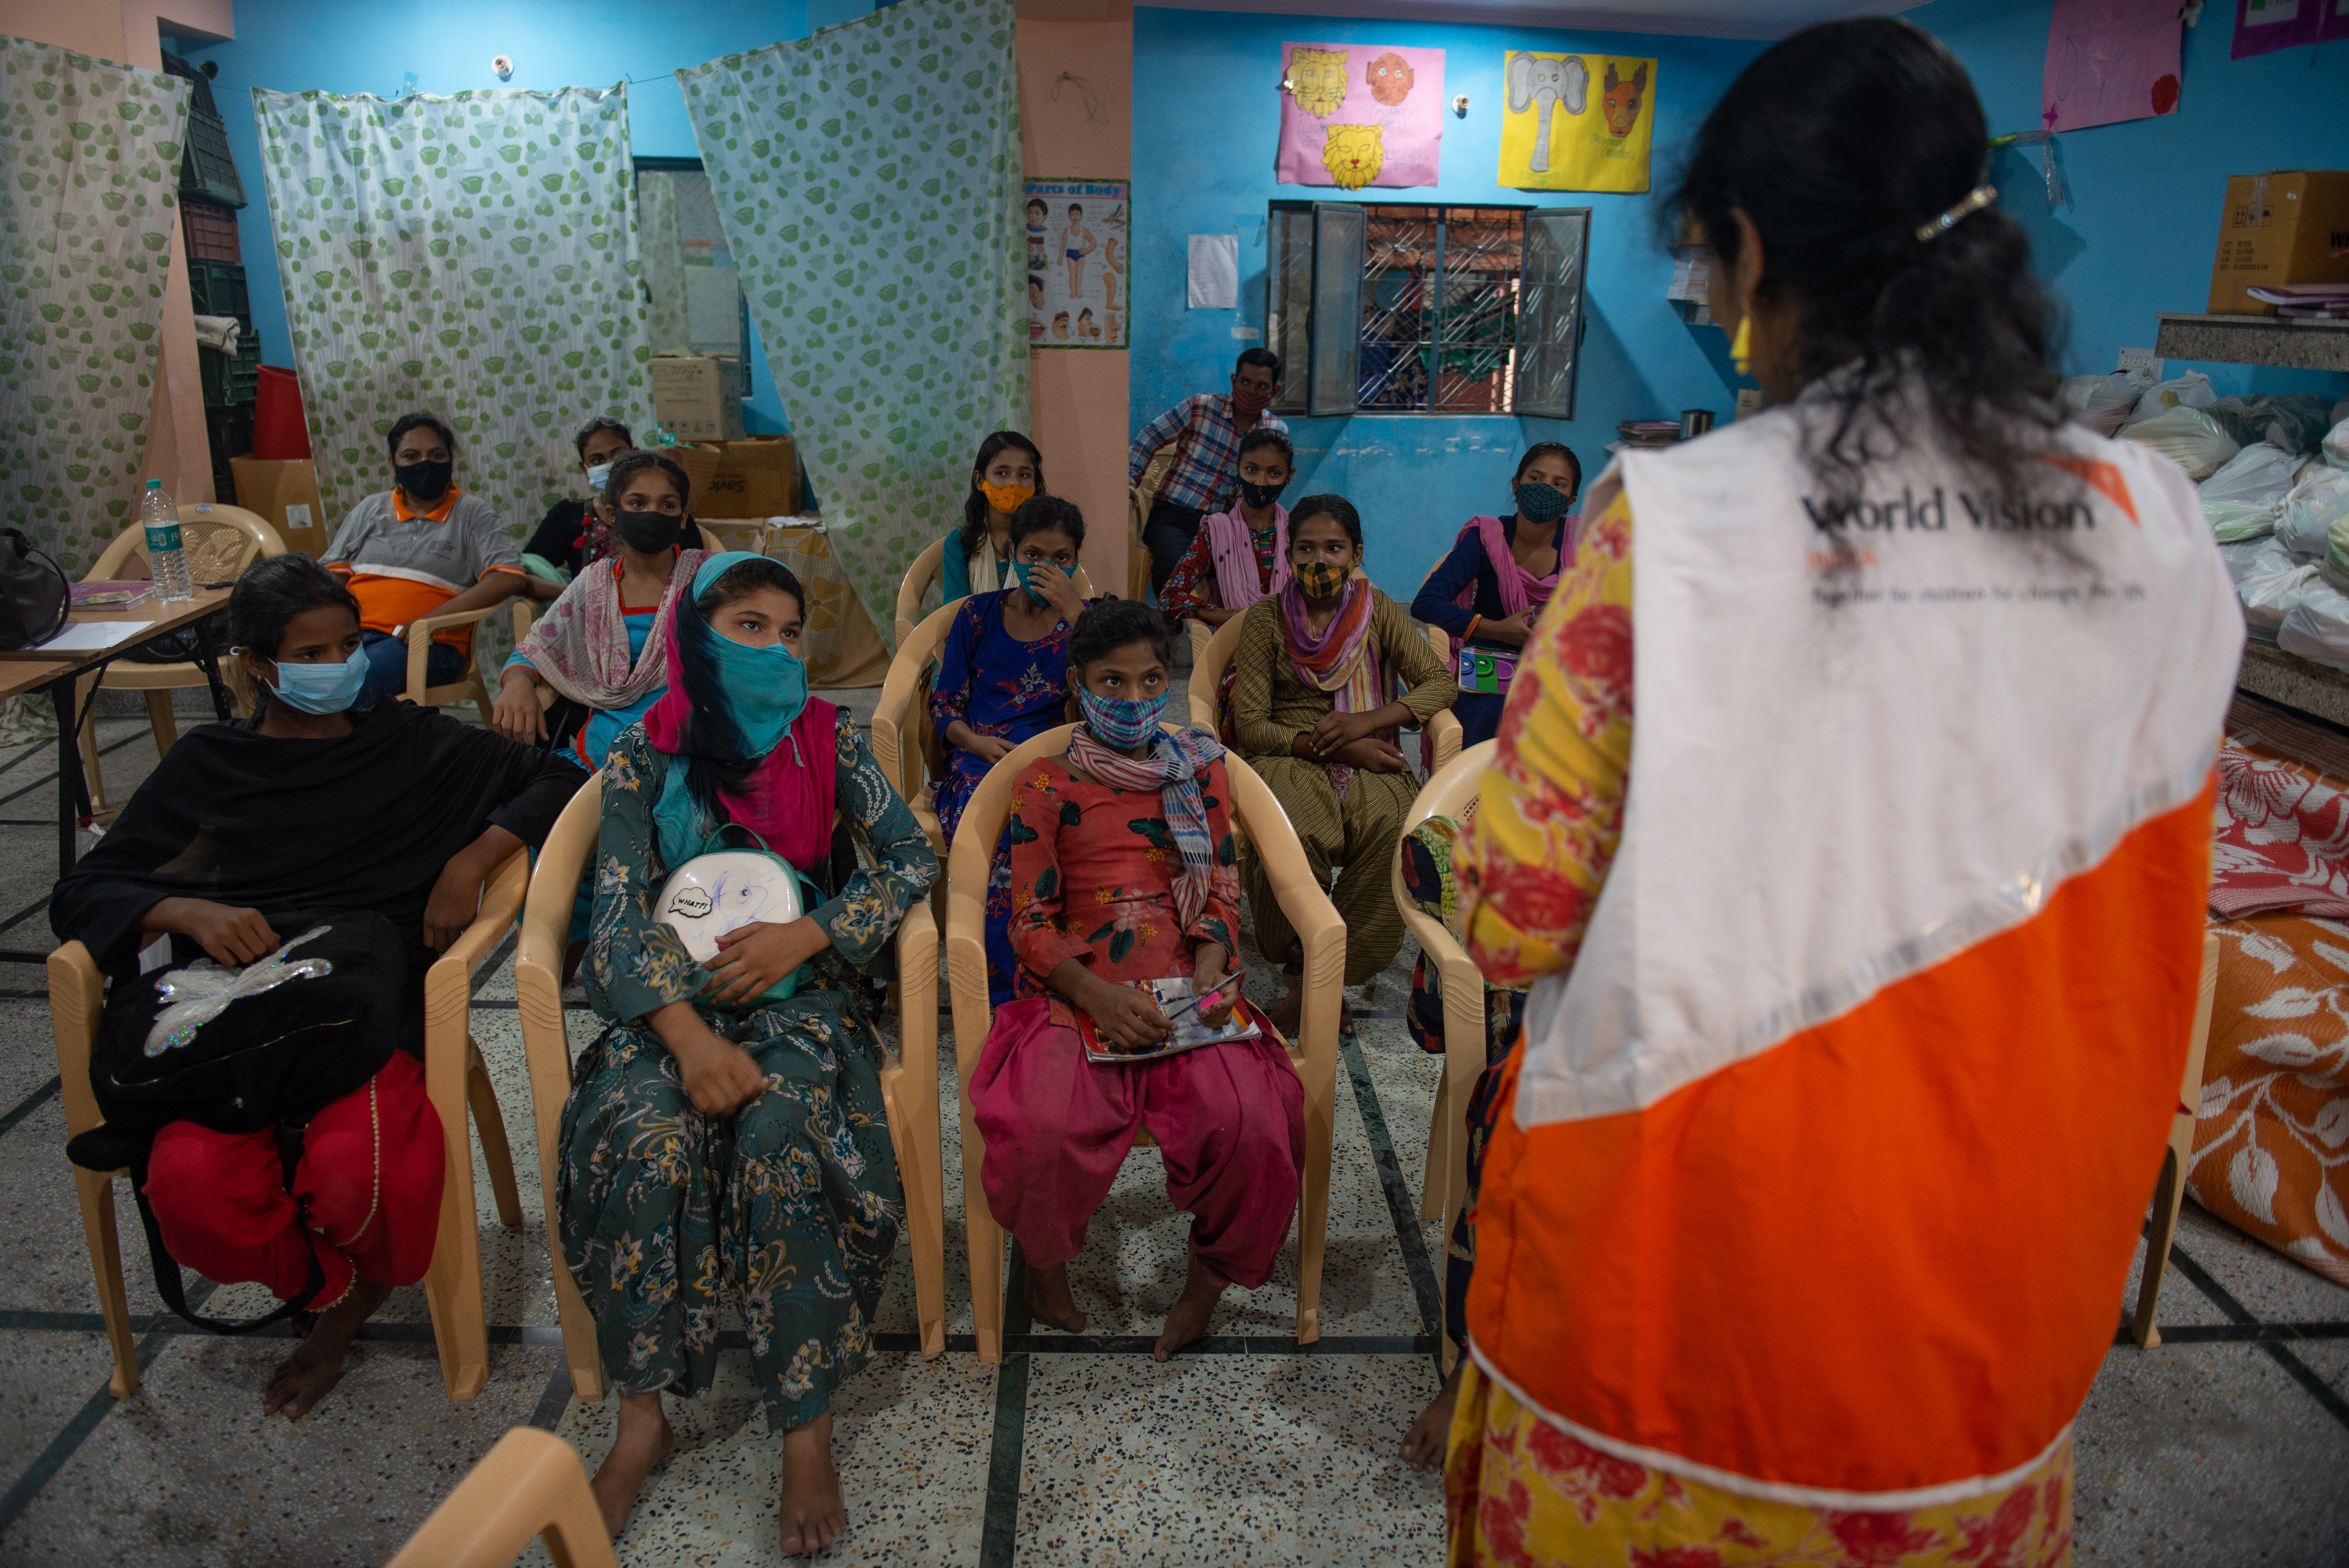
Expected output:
(474, 256)
(870, 185)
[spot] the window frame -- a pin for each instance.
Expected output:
(1303, 279)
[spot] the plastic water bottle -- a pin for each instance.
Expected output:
(169, 563)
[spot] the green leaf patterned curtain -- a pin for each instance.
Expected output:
(474, 256)
(89, 172)
(870, 184)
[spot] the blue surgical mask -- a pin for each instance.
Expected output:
(597, 475)
(322, 687)
(1116, 721)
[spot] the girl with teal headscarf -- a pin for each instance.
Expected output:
(718, 1143)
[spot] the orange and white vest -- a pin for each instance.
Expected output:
(1828, 1158)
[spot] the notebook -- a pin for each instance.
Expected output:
(1189, 1033)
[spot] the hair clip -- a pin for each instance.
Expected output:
(1973, 201)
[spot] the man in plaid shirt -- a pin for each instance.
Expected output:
(1207, 431)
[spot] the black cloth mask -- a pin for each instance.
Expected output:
(647, 533)
(1261, 495)
(426, 482)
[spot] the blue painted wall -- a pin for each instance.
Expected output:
(1207, 121)
(2137, 236)
(342, 47)
(2141, 225)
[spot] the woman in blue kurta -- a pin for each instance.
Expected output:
(1003, 678)
(723, 1144)
(1487, 593)
(599, 644)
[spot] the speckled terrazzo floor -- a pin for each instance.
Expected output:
(2229, 1444)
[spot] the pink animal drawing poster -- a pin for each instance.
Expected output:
(1359, 114)
(2110, 60)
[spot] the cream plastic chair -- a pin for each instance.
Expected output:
(453, 1076)
(469, 685)
(2170, 1187)
(1215, 655)
(1314, 1056)
(928, 567)
(220, 542)
(910, 1088)
(1443, 1187)
(532, 1483)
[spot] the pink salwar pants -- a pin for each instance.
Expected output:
(1229, 1119)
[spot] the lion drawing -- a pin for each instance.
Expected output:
(1620, 103)
(1391, 77)
(1353, 154)
(1317, 80)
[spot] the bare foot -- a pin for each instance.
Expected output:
(812, 1515)
(1423, 1446)
(1049, 1300)
(646, 1440)
(1186, 1320)
(305, 1377)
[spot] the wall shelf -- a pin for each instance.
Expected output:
(2303, 685)
(2286, 342)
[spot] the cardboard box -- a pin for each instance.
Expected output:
(2290, 226)
(285, 494)
(757, 477)
(698, 397)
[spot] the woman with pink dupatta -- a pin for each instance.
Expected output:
(1238, 556)
(1487, 593)
(600, 645)
(725, 1139)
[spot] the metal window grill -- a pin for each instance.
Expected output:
(1439, 309)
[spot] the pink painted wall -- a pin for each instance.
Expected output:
(1079, 395)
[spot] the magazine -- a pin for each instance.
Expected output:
(1189, 1033)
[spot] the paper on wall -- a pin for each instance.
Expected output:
(1576, 122)
(1214, 271)
(2109, 60)
(1359, 114)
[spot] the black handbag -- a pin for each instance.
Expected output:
(180, 644)
(241, 1050)
(34, 597)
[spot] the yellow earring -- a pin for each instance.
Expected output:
(1741, 347)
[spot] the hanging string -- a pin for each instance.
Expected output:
(1091, 97)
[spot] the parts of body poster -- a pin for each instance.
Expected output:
(1080, 239)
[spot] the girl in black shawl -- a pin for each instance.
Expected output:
(397, 809)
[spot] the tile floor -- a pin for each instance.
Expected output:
(2230, 1444)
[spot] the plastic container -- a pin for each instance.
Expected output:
(166, 561)
(279, 434)
(218, 288)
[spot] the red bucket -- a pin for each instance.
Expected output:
(278, 432)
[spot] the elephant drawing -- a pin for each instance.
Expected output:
(1548, 82)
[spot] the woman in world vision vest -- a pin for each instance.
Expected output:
(1812, 1186)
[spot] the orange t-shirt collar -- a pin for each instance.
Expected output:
(404, 513)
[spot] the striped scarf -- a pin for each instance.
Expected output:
(1174, 768)
(1343, 659)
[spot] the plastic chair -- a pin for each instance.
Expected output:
(1443, 1187)
(1215, 655)
(453, 1076)
(904, 742)
(2170, 1187)
(1314, 1055)
(531, 1484)
(910, 1088)
(468, 687)
(927, 569)
(220, 542)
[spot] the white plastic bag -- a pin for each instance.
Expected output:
(2317, 627)
(2102, 402)
(2187, 436)
(2296, 421)
(2336, 445)
(2244, 497)
(2191, 390)
(2268, 590)
(2304, 522)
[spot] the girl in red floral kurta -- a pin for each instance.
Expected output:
(1124, 869)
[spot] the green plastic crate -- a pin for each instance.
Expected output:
(219, 290)
(231, 379)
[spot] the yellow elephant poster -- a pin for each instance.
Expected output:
(1576, 122)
